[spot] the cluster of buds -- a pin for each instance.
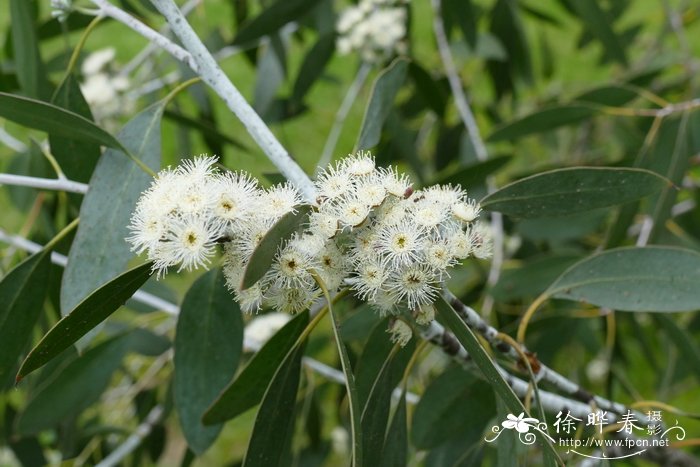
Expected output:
(371, 232)
(103, 87)
(376, 29)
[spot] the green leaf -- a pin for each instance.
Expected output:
(208, 344)
(566, 191)
(351, 392)
(74, 388)
(612, 95)
(30, 70)
(654, 278)
(39, 115)
(205, 128)
(271, 73)
(384, 91)
(474, 174)
(395, 451)
(532, 278)
(22, 293)
(100, 252)
(439, 415)
(270, 443)
(683, 341)
(432, 93)
(273, 18)
(265, 252)
(313, 65)
(246, 391)
(599, 25)
(483, 361)
(541, 121)
(77, 158)
(89, 313)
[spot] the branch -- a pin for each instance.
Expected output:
(342, 114)
(542, 372)
(214, 76)
(136, 438)
(44, 183)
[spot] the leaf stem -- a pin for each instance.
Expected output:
(522, 327)
(60, 235)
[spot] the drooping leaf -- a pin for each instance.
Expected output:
(313, 66)
(430, 91)
(29, 67)
(89, 313)
(395, 450)
(52, 119)
(384, 91)
(75, 388)
(598, 24)
(204, 127)
(100, 251)
(208, 344)
(246, 391)
(439, 415)
(566, 191)
(483, 361)
(265, 252)
(270, 443)
(22, 293)
(273, 18)
(474, 174)
(541, 121)
(77, 158)
(654, 278)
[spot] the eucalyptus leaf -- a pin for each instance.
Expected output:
(270, 443)
(248, 389)
(272, 19)
(208, 344)
(395, 451)
(313, 66)
(261, 259)
(654, 278)
(84, 317)
(384, 91)
(541, 121)
(563, 192)
(474, 174)
(600, 26)
(29, 67)
(39, 115)
(100, 251)
(20, 306)
(75, 388)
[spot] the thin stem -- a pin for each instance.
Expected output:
(136, 438)
(45, 183)
(342, 114)
(355, 415)
(107, 9)
(62, 234)
(214, 76)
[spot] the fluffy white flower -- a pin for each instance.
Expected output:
(415, 284)
(400, 243)
(279, 200)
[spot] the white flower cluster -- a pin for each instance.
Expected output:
(374, 28)
(370, 231)
(103, 89)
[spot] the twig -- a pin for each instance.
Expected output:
(212, 74)
(11, 142)
(44, 183)
(477, 141)
(136, 438)
(542, 371)
(155, 37)
(342, 114)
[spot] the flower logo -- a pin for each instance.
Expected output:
(519, 423)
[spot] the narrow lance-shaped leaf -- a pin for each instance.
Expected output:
(247, 390)
(22, 293)
(474, 174)
(39, 115)
(265, 252)
(599, 25)
(384, 91)
(484, 362)
(208, 343)
(563, 192)
(541, 121)
(273, 18)
(653, 278)
(270, 443)
(29, 68)
(100, 251)
(89, 313)
(75, 388)
(395, 451)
